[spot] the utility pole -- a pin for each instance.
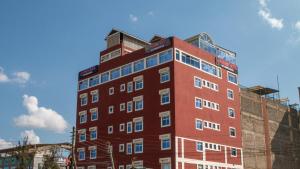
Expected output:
(73, 161)
(110, 151)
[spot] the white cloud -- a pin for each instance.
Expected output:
(5, 144)
(297, 25)
(133, 18)
(3, 76)
(266, 14)
(40, 117)
(31, 136)
(18, 77)
(21, 77)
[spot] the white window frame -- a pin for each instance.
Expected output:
(91, 130)
(111, 91)
(195, 84)
(110, 109)
(94, 110)
(234, 114)
(122, 107)
(164, 137)
(231, 150)
(162, 72)
(228, 96)
(91, 153)
(129, 104)
(201, 101)
(121, 148)
(122, 127)
(230, 132)
(197, 146)
(138, 81)
(138, 99)
(81, 150)
(196, 121)
(162, 115)
(110, 129)
(95, 93)
(82, 113)
(122, 87)
(129, 123)
(83, 97)
(129, 87)
(138, 120)
(129, 145)
(162, 93)
(138, 141)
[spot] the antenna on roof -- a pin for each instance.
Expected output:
(278, 87)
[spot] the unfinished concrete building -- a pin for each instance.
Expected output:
(270, 130)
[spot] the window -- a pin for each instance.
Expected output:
(121, 166)
(128, 166)
(129, 127)
(83, 85)
(151, 61)
(211, 69)
(165, 163)
(165, 120)
(165, 56)
(126, 70)
(138, 103)
(230, 94)
(95, 96)
(122, 87)
(199, 125)
(82, 135)
(165, 141)
(111, 90)
(138, 146)
(81, 154)
(93, 133)
(104, 77)
(129, 106)
(82, 117)
(164, 76)
(122, 127)
(232, 132)
(139, 84)
(121, 148)
(93, 153)
(164, 96)
(198, 103)
(231, 112)
(199, 146)
(200, 166)
(177, 55)
(232, 78)
(122, 106)
(114, 74)
(83, 99)
(197, 82)
(233, 152)
(138, 65)
(110, 109)
(94, 114)
(110, 129)
(94, 81)
(138, 124)
(129, 87)
(129, 148)
(192, 61)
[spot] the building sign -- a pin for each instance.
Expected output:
(227, 65)
(157, 45)
(88, 71)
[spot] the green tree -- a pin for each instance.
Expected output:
(50, 159)
(23, 155)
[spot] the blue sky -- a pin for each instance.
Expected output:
(44, 44)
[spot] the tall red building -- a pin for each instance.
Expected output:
(167, 103)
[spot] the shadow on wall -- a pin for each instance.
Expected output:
(285, 141)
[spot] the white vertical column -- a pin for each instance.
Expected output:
(204, 151)
(225, 154)
(182, 153)
(242, 158)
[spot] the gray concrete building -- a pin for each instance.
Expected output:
(270, 130)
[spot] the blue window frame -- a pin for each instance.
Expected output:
(151, 61)
(165, 121)
(114, 74)
(126, 70)
(139, 105)
(164, 77)
(83, 118)
(199, 124)
(104, 77)
(138, 65)
(138, 126)
(82, 137)
(177, 55)
(139, 84)
(165, 56)
(94, 115)
(190, 60)
(198, 103)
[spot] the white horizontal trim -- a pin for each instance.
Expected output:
(193, 161)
